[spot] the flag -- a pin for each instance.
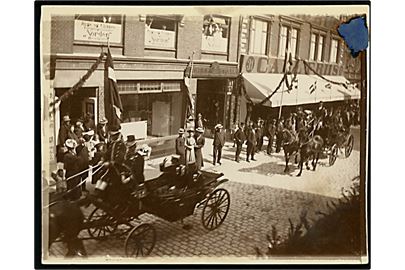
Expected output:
(187, 81)
(312, 88)
(112, 100)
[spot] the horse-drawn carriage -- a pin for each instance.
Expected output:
(172, 196)
(336, 140)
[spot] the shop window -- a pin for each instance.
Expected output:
(171, 86)
(160, 32)
(215, 34)
(258, 37)
(101, 28)
(288, 40)
(316, 52)
(334, 48)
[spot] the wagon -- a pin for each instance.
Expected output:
(172, 196)
(342, 140)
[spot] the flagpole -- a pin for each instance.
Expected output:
(281, 101)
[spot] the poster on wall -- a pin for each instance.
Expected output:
(97, 31)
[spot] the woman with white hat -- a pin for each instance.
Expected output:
(190, 152)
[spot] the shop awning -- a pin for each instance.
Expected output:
(309, 89)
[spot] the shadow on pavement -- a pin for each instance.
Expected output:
(270, 168)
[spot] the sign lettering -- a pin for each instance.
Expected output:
(97, 32)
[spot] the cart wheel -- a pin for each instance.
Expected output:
(140, 241)
(333, 155)
(101, 224)
(215, 209)
(349, 146)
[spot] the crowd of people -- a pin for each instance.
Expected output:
(84, 146)
(336, 118)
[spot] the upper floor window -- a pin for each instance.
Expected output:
(288, 41)
(334, 49)
(316, 52)
(100, 28)
(160, 32)
(258, 37)
(215, 33)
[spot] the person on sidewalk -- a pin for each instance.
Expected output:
(102, 131)
(259, 135)
(190, 152)
(180, 148)
(239, 138)
(271, 132)
(251, 141)
(199, 144)
(219, 142)
(71, 163)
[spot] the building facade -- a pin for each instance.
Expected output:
(151, 55)
(264, 42)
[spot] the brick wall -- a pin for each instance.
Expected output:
(62, 33)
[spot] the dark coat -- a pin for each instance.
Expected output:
(116, 151)
(71, 163)
(239, 136)
(271, 130)
(199, 144)
(136, 163)
(219, 138)
(251, 136)
(63, 134)
(79, 132)
(181, 149)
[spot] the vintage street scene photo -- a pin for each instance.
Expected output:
(204, 134)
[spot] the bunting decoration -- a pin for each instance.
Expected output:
(80, 83)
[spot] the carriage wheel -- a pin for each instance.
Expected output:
(349, 146)
(101, 224)
(140, 241)
(215, 209)
(333, 155)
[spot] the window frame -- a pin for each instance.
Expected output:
(334, 61)
(318, 34)
(229, 25)
(176, 22)
(282, 49)
(267, 32)
(98, 43)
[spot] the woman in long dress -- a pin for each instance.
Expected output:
(200, 141)
(190, 152)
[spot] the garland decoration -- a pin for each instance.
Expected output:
(80, 83)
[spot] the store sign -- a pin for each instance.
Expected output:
(215, 70)
(97, 32)
(159, 38)
(262, 64)
(214, 43)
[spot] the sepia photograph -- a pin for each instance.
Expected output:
(223, 134)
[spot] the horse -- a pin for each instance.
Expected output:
(291, 146)
(311, 148)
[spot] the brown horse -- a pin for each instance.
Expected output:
(312, 148)
(291, 146)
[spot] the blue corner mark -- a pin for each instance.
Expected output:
(355, 34)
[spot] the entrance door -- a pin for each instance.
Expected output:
(160, 118)
(89, 105)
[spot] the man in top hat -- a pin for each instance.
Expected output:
(199, 144)
(116, 148)
(134, 161)
(102, 131)
(180, 148)
(219, 142)
(72, 163)
(239, 138)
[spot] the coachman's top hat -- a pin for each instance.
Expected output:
(103, 121)
(130, 141)
(115, 130)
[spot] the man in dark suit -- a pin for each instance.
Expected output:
(271, 132)
(239, 138)
(180, 148)
(134, 162)
(102, 131)
(259, 135)
(71, 163)
(219, 142)
(116, 149)
(251, 142)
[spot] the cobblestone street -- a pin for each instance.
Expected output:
(261, 196)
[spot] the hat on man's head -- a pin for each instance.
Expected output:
(90, 133)
(130, 140)
(66, 118)
(218, 126)
(190, 129)
(103, 121)
(181, 130)
(115, 130)
(200, 130)
(70, 143)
